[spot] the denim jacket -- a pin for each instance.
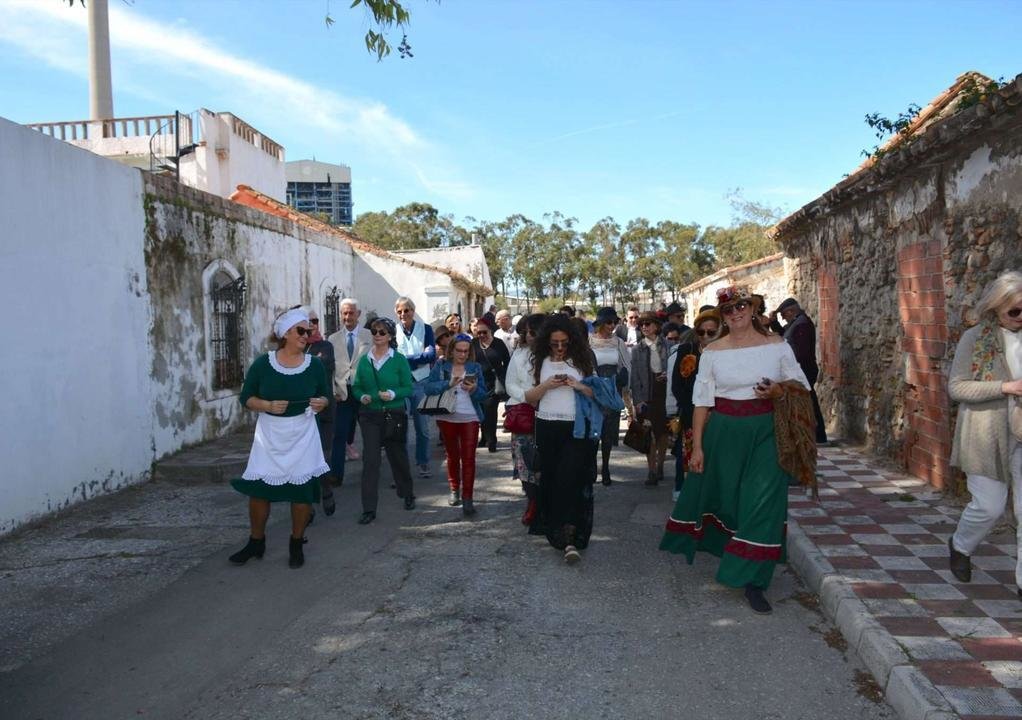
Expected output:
(440, 379)
(605, 397)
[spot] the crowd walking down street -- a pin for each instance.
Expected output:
(453, 575)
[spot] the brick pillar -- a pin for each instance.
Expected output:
(927, 443)
(828, 326)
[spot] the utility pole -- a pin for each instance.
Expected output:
(101, 99)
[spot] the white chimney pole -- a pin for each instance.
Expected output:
(101, 100)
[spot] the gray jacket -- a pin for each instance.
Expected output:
(641, 379)
(982, 443)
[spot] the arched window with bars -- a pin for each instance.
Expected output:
(226, 330)
(332, 312)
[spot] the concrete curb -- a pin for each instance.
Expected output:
(906, 689)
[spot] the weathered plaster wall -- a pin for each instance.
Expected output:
(891, 272)
(766, 276)
(284, 264)
(75, 386)
(379, 281)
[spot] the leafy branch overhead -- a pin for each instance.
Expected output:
(385, 15)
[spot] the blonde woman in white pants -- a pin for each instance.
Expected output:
(986, 381)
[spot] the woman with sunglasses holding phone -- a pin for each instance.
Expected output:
(986, 382)
(460, 428)
(569, 401)
(287, 387)
(683, 364)
(383, 381)
(734, 503)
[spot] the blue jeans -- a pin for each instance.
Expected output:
(421, 423)
(344, 426)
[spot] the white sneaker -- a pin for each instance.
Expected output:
(571, 555)
(424, 471)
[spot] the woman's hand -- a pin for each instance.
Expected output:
(767, 389)
(365, 399)
(469, 385)
(455, 379)
(276, 407)
(1012, 387)
(387, 395)
(579, 386)
(318, 403)
(696, 460)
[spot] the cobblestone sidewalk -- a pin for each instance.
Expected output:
(875, 549)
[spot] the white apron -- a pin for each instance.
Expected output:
(286, 450)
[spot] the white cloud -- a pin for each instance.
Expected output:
(143, 50)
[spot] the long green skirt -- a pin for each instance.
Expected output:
(737, 508)
(307, 492)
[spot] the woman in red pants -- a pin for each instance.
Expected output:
(460, 374)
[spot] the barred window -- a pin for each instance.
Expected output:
(227, 300)
(332, 312)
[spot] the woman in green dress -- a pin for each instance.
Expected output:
(734, 503)
(287, 387)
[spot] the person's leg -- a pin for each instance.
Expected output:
(490, 423)
(466, 434)
(299, 518)
(397, 456)
(421, 423)
(344, 426)
(989, 497)
(372, 425)
(821, 426)
(452, 448)
(258, 514)
(661, 453)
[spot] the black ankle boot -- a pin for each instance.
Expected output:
(758, 603)
(254, 549)
(606, 475)
(296, 556)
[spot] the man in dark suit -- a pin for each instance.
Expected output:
(629, 332)
(800, 332)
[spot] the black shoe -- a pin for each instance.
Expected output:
(254, 549)
(605, 473)
(491, 448)
(467, 508)
(410, 502)
(650, 479)
(367, 517)
(455, 500)
(757, 602)
(960, 563)
(296, 556)
(481, 443)
(329, 504)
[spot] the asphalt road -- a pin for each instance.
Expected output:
(126, 607)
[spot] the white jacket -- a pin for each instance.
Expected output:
(519, 376)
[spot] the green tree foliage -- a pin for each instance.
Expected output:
(745, 239)
(414, 226)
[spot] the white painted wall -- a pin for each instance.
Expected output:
(379, 281)
(76, 416)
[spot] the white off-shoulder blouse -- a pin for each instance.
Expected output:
(733, 374)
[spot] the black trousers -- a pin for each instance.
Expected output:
(568, 470)
(821, 428)
(373, 424)
(488, 427)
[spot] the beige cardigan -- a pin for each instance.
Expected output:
(982, 443)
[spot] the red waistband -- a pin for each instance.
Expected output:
(743, 408)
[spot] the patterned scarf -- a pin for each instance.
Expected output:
(985, 351)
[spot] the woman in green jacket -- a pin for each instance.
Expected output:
(383, 381)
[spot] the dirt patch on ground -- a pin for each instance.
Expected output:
(866, 686)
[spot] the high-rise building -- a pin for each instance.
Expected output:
(318, 187)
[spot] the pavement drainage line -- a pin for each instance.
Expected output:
(906, 689)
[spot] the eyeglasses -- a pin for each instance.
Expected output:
(1014, 312)
(302, 331)
(706, 333)
(402, 311)
(737, 307)
(482, 333)
(314, 321)
(380, 331)
(644, 323)
(530, 333)
(559, 343)
(673, 338)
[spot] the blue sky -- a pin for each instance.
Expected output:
(625, 108)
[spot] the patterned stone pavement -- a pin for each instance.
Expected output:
(885, 534)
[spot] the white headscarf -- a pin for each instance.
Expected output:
(288, 320)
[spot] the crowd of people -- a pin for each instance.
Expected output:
(732, 397)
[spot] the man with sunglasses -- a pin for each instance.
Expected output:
(800, 332)
(415, 340)
(629, 332)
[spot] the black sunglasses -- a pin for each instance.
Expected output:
(730, 309)
(702, 333)
(302, 331)
(1015, 312)
(314, 321)
(380, 331)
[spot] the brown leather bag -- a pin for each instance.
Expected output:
(639, 436)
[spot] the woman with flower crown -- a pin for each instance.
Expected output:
(734, 502)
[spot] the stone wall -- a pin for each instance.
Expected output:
(891, 260)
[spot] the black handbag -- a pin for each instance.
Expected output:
(395, 422)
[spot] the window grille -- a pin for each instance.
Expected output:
(228, 302)
(332, 312)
